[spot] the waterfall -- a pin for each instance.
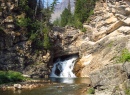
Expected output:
(64, 68)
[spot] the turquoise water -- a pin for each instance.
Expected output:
(76, 87)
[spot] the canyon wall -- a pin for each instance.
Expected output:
(16, 52)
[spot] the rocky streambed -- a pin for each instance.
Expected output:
(77, 86)
(51, 89)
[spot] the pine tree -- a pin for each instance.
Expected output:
(66, 16)
(83, 9)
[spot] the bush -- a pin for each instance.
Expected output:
(78, 24)
(127, 91)
(23, 22)
(33, 36)
(125, 56)
(10, 76)
(90, 91)
(83, 29)
(46, 43)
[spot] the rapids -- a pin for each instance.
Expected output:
(64, 68)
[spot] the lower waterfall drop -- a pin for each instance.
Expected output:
(64, 69)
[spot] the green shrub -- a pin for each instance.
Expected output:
(83, 29)
(125, 56)
(33, 36)
(10, 76)
(127, 91)
(78, 24)
(91, 12)
(46, 43)
(90, 91)
(23, 22)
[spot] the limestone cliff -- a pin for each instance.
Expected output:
(109, 26)
(106, 36)
(16, 52)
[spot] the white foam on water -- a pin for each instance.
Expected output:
(65, 68)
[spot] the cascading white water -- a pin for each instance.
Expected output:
(64, 68)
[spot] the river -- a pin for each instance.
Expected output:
(63, 81)
(68, 86)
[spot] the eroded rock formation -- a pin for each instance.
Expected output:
(106, 37)
(110, 35)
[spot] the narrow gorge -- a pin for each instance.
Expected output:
(95, 53)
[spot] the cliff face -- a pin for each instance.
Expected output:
(16, 52)
(107, 35)
(110, 34)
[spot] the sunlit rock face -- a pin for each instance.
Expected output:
(107, 34)
(109, 26)
(66, 41)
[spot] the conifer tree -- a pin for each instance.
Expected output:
(66, 16)
(83, 9)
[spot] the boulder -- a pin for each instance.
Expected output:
(124, 29)
(127, 21)
(109, 75)
(126, 67)
(17, 86)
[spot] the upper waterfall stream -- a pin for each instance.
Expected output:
(64, 68)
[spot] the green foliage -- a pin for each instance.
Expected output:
(10, 76)
(23, 5)
(53, 5)
(46, 43)
(33, 28)
(65, 17)
(90, 91)
(83, 10)
(83, 29)
(33, 36)
(57, 22)
(36, 21)
(110, 44)
(125, 56)
(23, 22)
(78, 24)
(127, 91)
(91, 12)
(41, 41)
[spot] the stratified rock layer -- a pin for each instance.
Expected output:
(16, 52)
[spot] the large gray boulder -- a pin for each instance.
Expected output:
(109, 75)
(126, 68)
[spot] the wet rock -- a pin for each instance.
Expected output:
(17, 86)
